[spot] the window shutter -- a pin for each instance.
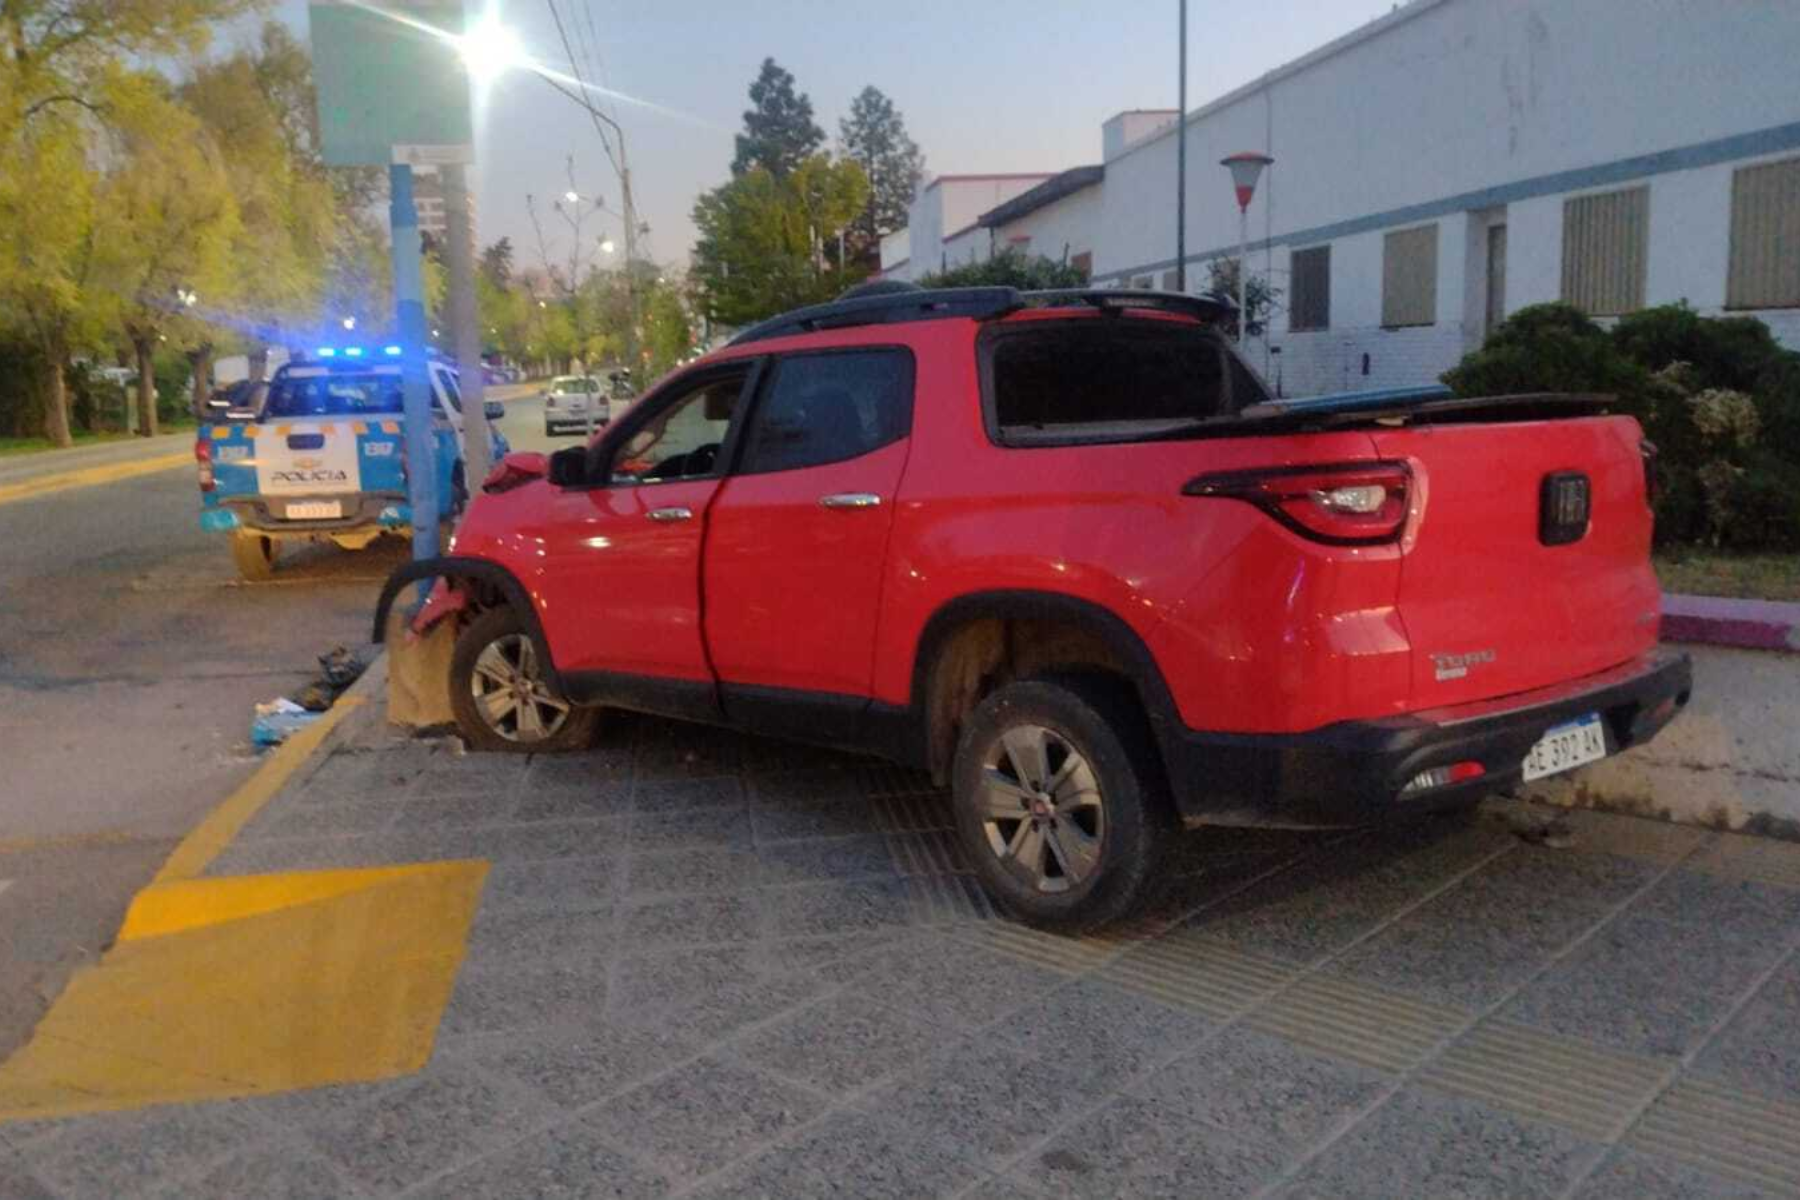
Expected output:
(1605, 240)
(1409, 277)
(1765, 237)
(1309, 279)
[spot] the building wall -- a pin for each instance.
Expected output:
(949, 205)
(1062, 228)
(1467, 113)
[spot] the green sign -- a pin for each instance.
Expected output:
(392, 87)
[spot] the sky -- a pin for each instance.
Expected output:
(984, 86)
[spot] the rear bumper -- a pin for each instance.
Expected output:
(360, 509)
(1352, 773)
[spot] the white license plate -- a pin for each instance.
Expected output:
(315, 510)
(1567, 747)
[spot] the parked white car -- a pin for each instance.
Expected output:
(571, 402)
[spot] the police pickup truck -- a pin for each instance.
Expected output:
(325, 457)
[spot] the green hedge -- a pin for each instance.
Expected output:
(1718, 396)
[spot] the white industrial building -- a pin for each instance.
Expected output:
(1458, 159)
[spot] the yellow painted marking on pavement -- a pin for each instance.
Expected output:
(183, 904)
(91, 476)
(290, 981)
(209, 838)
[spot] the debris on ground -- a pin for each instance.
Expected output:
(1552, 833)
(284, 716)
(278, 720)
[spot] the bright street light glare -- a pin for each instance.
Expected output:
(489, 48)
(349, 322)
(606, 246)
(571, 197)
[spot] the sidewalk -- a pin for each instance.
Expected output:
(707, 965)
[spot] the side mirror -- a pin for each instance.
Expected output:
(569, 467)
(494, 410)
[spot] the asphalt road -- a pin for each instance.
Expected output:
(131, 658)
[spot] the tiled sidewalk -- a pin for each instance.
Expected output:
(706, 965)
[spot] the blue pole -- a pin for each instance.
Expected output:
(409, 301)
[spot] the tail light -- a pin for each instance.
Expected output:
(1651, 456)
(1340, 504)
(203, 456)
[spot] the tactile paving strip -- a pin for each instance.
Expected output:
(910, 814)
(1357, 1022)
(1587, 1089)
(1069, 956)
(947, 899)
(1184, 969)
(1752, 1138)
(932, 852)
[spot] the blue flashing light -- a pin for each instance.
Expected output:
(353, 351)
(327, 352)
(391, 351)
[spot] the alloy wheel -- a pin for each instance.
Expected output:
(510, 694)
(1041, 808)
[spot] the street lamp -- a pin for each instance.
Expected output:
(488, 48)
(606, 245)
(1246, 168)
(349, 323)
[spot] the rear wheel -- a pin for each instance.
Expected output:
(1060, 801)
(254, 555)
(501, 696)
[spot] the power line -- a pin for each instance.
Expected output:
(575, 69)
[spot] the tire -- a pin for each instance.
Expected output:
(495, 652)
(254, 556)
(1084, 853)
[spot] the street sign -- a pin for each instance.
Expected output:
(390, 79)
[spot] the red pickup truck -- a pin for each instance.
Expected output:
(1063, 551)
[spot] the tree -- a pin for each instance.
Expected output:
(779, 132)
(46, 255)
(762, 244)
(1259, 297)
(874, 134)
(165, 223)
(497, 263)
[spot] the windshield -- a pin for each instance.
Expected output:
(333, 395)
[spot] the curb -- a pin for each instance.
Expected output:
(348, 716)
(1741, 624)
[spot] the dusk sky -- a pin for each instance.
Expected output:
(1001, 85)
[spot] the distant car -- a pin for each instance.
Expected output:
(570, 402)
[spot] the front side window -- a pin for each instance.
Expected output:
(823, 408)
(1086, 380)
(684, 441)
(452, 392)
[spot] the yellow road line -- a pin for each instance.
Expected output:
(209, 838)
(91, 476)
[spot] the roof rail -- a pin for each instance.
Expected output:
(977, 303)
(922, 304)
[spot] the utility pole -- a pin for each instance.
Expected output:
(1181, 159)
(631, 323)
(465, 324)
(415, 390)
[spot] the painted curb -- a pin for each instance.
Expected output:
(1740, 624)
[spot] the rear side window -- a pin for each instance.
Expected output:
(1097, 380)
(824, 408)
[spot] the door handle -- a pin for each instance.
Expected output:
(671, 514)
(850, 500)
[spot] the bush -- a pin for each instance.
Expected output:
(1011, 267)
(1549, 348)
(1718, 396)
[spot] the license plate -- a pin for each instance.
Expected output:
(315, 510)
(1567, 747)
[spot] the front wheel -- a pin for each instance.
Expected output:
(1060, 801)
(254, 556)
(501, 696)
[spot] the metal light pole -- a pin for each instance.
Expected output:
(1181, 161)
(1246, 168)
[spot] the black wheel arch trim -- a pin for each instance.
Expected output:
(1145, 675)
(450, 566)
